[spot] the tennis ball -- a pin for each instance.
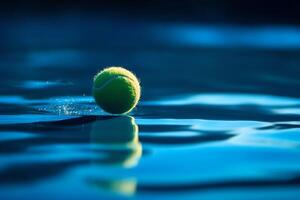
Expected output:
(116, 90)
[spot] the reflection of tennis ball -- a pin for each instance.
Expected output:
(119, 130)
(123, 186)
(116, 90)
(119, 139)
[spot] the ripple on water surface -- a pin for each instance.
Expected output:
(233, 143)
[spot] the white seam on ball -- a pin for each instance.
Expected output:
(110, 80)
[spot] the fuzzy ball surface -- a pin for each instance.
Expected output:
(116, 90)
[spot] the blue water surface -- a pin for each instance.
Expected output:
(219, 116)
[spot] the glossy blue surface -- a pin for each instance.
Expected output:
(219, 116)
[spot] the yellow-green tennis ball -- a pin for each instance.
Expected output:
(116, 90)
